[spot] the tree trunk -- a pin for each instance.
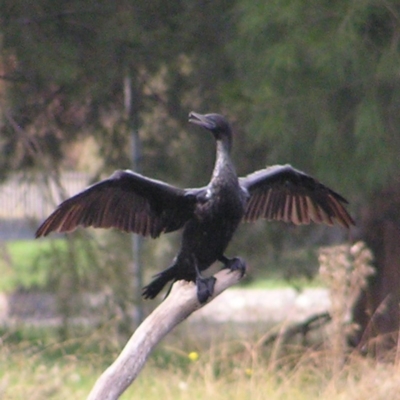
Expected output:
(377, 311)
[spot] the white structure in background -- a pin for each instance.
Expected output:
(23, 198)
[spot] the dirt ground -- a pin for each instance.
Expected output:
(234, 305)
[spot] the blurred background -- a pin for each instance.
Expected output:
(91, 86)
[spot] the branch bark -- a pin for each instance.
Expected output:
(180, 303)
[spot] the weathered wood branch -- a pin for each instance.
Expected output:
(310, 324)
(180, 303)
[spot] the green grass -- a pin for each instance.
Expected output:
(23, 265)
(227, 368)
(29, 264)
(38, 264)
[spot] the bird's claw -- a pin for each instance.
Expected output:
(236, 264)
(205, 288)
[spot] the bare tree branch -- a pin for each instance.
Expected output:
(181, 302)
(310, 324)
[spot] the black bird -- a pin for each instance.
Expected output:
(209, 215)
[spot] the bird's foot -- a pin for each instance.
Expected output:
(234, 264)
(205, 288)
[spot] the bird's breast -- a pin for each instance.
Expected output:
(222, 205)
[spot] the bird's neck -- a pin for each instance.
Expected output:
(223, 162)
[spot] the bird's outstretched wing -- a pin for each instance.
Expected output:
(284, 193)
(127, 201)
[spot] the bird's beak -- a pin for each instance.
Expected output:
(201, 120)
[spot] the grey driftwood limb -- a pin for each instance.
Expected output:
(181, 302)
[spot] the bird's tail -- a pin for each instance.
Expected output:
(154, 287)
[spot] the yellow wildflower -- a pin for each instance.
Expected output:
(193, 356)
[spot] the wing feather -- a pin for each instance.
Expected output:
(127, 201)
(296, 216)
(284, 193)
(287, 208)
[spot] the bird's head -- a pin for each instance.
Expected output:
(215, 123)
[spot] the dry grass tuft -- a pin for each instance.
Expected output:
(234, 369)
(345, 269)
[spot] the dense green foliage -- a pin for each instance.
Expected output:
(322, 84)
(67, 62)
(313, 84)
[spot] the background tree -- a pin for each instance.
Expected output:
(320, 83)
(66, 63)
